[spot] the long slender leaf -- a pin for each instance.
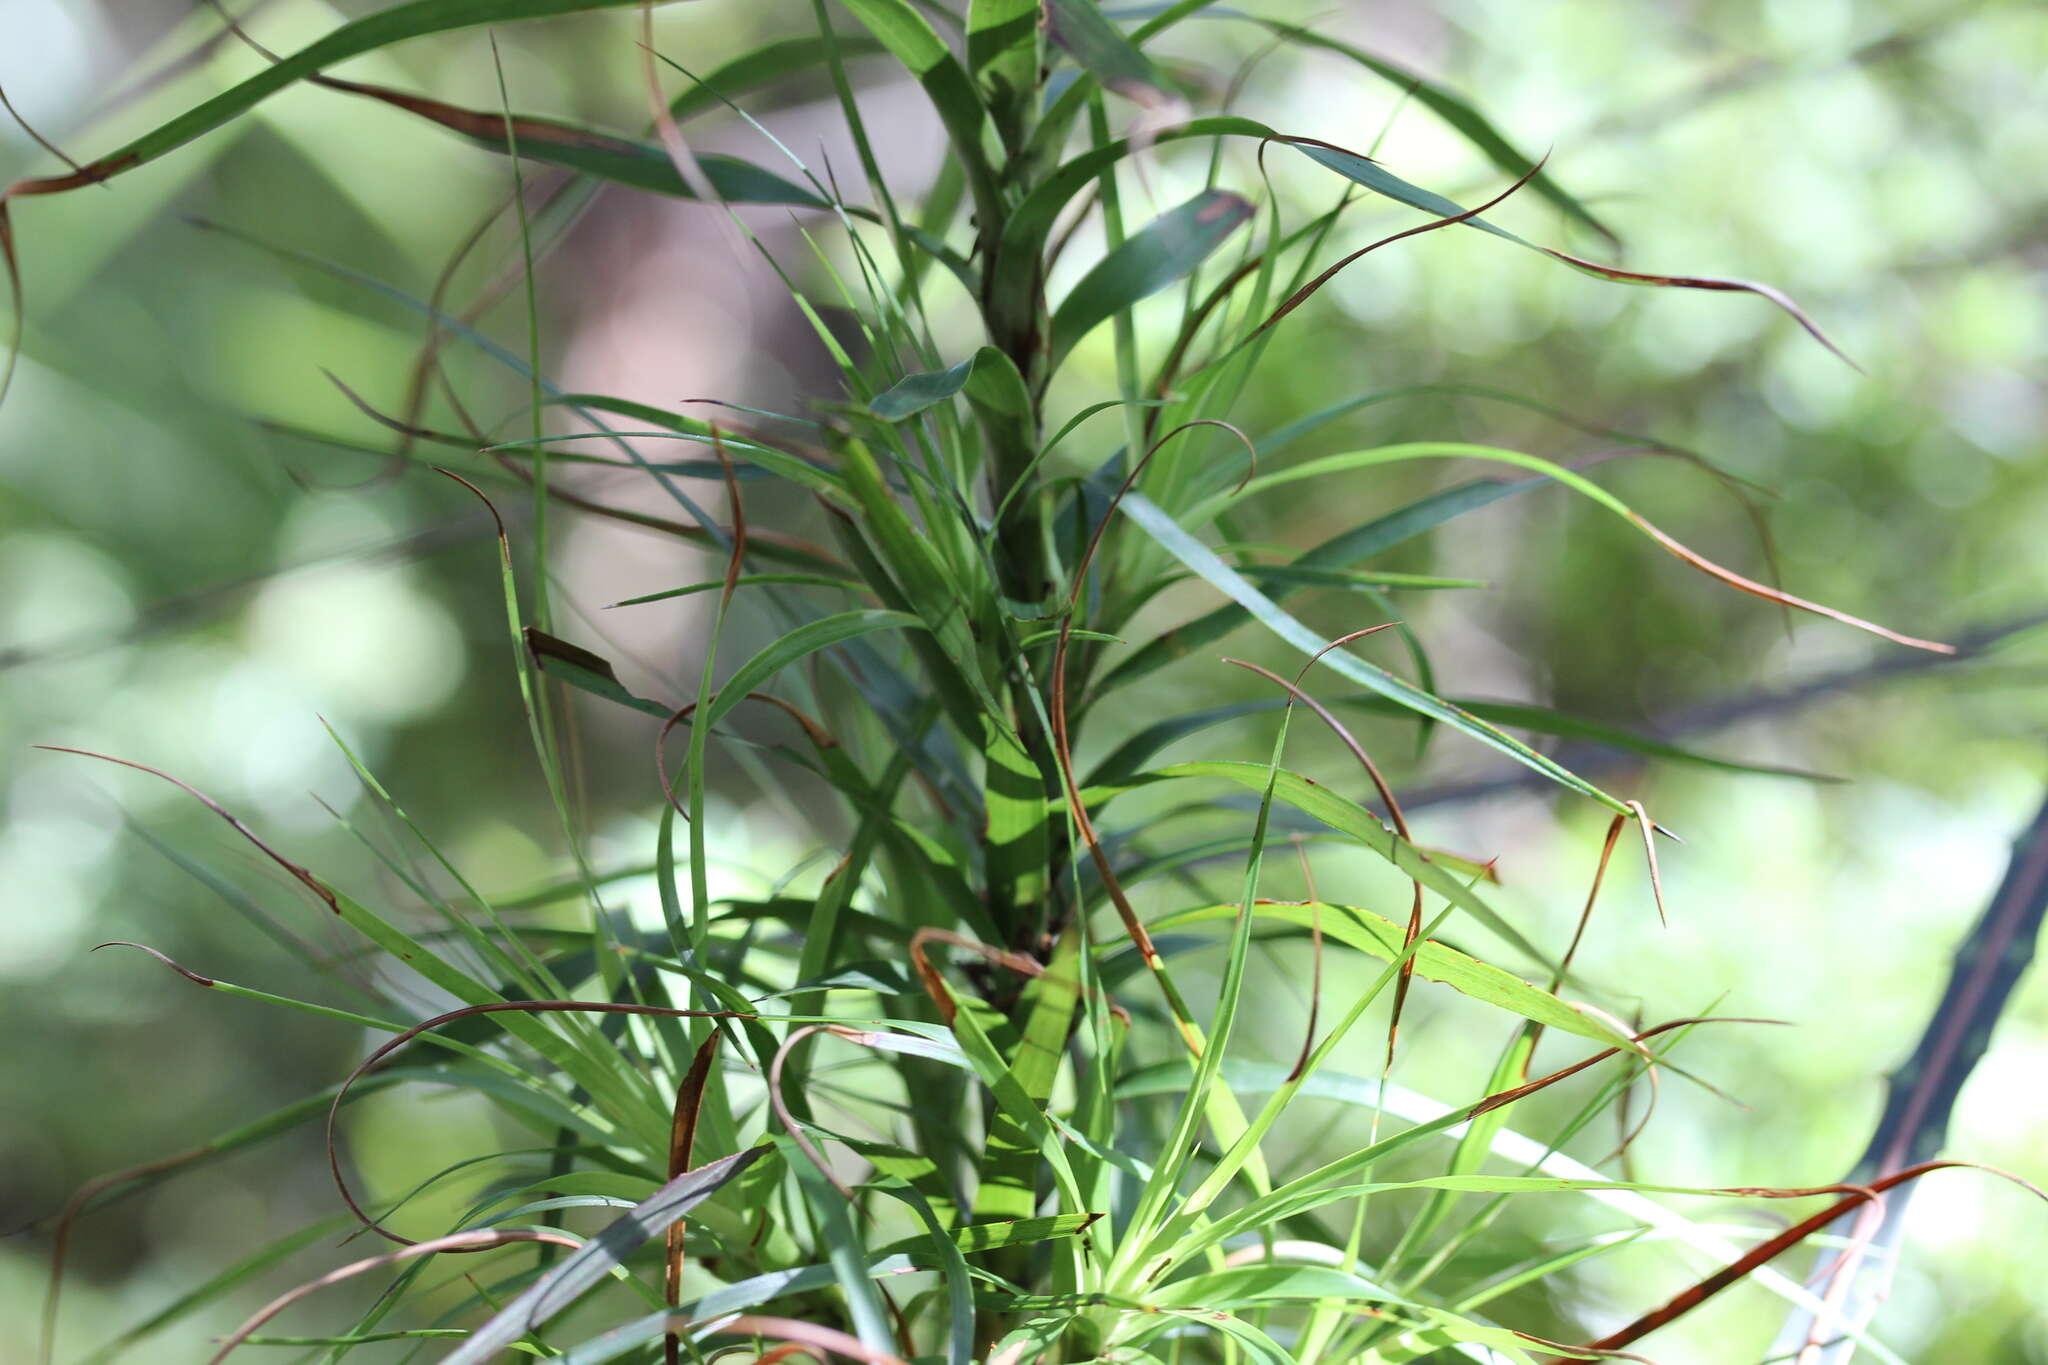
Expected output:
(1361, 542)
(1080, 28)
(1165, 250)
(619, 160)
(1204, 562)
(1382, 938)
(379, 30)
(590, 1263)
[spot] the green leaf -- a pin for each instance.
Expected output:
(1014, 276)
(1361, 542)
(988, 377)
(979, 1237)
(1165, 250)
(1364, 171)
(722, 1302)
(911, 395)
(849, 1258)
(1010, 1168)
(1348, 817)
(1257, 1345)
(1011, 1100)
(763, 66)
(582, 1268)
(800, 643)
(1453, 109)
(620, 160)
(787, 580)
(1550, 721)
(1264, 1283)
(1130, 757)
(779, 462)
(587, 672)
(1204, 562)
(918, 578)
(1002, 53)
(1079, 28)
(1379, 937)
(1433, 1117)
(910, 39)
(368, 34)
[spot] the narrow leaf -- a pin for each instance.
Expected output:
(595, 1259)
(1165, 250)
(1379, 937)
(620, 160)
(1204, 562)
(1080, 29)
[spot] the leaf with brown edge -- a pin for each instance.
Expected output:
(1419, 450)
(682, 1138)
(298, 872)
(468, 1011)
(1394, 813)
(1386, 939)
(1456, 111)
(619, 160)
(1063, 754)
(593, 1260)
(476, 1240)
(395, 24)
(1363, 170)
(1303, 294)
(1762, 1254)
(1770, 594)
(586, 672)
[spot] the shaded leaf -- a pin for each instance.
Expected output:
(1166, 249)
(988, 377)
(764, 65)
(1083, 32)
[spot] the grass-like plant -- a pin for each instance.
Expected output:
(952, 1094)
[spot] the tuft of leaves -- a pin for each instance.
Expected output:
(949, 1095)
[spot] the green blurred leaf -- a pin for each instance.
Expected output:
(763, 66)
(368, 34)
(1165, 250)
(1079, 28)
(619, 160)
(1003, 55)
(988, 377)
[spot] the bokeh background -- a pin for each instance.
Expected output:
(189, 579)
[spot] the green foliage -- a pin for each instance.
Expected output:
(961, 1097)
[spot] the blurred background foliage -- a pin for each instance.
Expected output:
(188, 584)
